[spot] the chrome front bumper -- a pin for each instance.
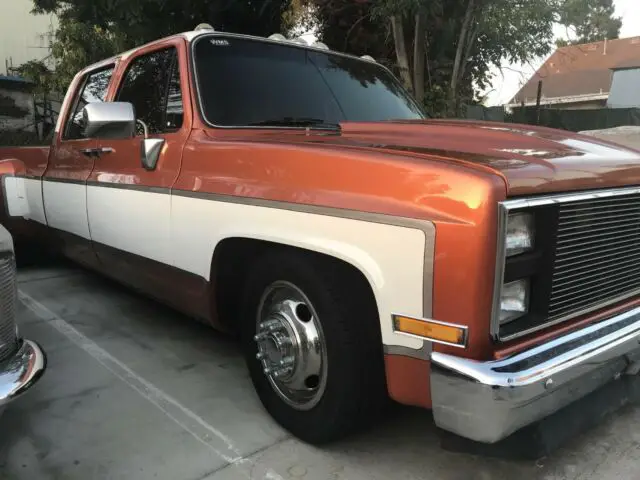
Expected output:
(21, 371)
(487, 401)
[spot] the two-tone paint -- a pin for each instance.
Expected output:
(411, 205)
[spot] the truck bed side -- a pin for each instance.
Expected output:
(21, 170)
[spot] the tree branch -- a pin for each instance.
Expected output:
(467, 54)
(355, 24)
(401, 51)
(419, 54)
(461, 47)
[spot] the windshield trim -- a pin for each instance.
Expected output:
(196, 78)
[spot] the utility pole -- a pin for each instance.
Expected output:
(538, 99)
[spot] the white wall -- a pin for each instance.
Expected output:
(625, 91)
(20, 32)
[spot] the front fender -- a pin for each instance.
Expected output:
(395, 255)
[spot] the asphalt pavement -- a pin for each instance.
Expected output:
(134, 390)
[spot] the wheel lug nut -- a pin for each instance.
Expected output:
(269, 324)
(287, 362)
(260, 355)
(260, 336)
(268, 371)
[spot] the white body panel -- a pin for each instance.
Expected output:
(23, 197)
(66, 207)
(390, 257)
(131, 220)
(33, 188)
(184, 231)
(15, 195)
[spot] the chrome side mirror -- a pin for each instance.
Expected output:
(110, 120)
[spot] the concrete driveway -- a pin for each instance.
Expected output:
(135, 391)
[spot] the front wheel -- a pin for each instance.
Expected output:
(312, 343)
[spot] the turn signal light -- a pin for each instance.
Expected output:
(432, 330)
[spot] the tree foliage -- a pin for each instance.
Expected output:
(589, 21)
(443, 50)
(36, 71)
(92, 30)
(145, 20)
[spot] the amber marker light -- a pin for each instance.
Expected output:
(440, 332)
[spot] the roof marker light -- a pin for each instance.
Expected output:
(204, 26)
(278, 37)
(369, 58)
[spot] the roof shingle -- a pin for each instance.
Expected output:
(580, 69)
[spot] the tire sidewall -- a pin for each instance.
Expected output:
(300, 273)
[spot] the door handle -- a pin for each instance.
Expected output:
(96, 152)
(89, 152)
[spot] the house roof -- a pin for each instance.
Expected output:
(628, 64)
(13, 78)
(14, 82)
(580, 71)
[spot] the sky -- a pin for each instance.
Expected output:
(510, 77)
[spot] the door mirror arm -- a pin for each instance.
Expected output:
(144, 127)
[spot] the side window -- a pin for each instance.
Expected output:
(94, 90)
(152, 85)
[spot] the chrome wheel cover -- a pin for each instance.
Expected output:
(291, 346)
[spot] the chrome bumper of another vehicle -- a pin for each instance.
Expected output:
(487, 401)
(21, 371)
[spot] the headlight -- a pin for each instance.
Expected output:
(514, 300)
(520, 233)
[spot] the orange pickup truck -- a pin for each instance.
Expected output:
(362, 251)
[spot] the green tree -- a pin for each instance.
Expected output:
(90, 31)
(145, 20)
(37, 72)
(443, 50)
(589, 21)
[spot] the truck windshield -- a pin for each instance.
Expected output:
(244, 82)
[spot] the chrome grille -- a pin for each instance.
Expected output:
(597, 259)
(8, 340)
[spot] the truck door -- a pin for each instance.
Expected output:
(64, 187)
(129, 202)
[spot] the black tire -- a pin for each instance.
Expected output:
(355, 390)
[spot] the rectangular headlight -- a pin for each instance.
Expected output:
(520, 234)
(514, 300)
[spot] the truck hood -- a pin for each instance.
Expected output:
(530, 159)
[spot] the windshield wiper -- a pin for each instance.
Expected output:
(316, 123)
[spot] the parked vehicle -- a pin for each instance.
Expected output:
(300, 196)
(22, 361)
